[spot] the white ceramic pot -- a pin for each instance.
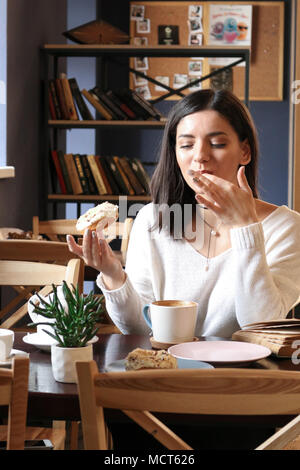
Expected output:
(63, 361)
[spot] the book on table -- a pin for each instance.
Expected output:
(281, 336)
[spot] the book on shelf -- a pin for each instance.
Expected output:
(140, 112)
(88, 174)
(116, 175)
(73, 174)
(65, 172)
(127, 183)
(94, 101)
(141, 173)
(117, 112)
(97, 174)
(79, 101)
(59, 172)
(112, 183)
(51, 106)
(92, 160)
(149, 107)
(82, 177)
(282, 337)
(72, 113)
(61, 99)
(104, 175)
(53, 98)
(123, 106)
(132, 177)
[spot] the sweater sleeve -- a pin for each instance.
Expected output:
(267, 274)
(125, 305)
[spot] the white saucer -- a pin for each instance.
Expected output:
(14, 352)
(44, 343)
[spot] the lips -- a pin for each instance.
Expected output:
(202, 172)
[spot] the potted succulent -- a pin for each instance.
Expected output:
(73, 319)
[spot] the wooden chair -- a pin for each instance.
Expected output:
(28, 276)
(56, 230)
(206, 391)
(14, 394)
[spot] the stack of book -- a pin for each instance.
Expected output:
(282, 337)
(99, 175)
(67, 102)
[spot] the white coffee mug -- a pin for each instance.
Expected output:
(172, 321)
(6, 343)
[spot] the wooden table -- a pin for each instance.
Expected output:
(55, 400)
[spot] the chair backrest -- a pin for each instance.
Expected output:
(29, 276)
(14, 394)
(35, 250)
(57, 230)
(206, 391)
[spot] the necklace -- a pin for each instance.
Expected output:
(214, 232)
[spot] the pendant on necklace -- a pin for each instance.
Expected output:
(214, 233)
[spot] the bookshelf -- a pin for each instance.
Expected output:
(52, 53)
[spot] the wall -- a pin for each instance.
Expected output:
(30, 24)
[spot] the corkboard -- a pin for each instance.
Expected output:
(267, 48)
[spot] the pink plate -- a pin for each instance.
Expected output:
(220, 352)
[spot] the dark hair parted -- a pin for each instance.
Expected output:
(168, 185)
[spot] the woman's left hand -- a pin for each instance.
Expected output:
(233, 204)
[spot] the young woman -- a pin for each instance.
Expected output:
(206, 236)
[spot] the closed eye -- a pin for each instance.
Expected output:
(218, 146)
(186, 146)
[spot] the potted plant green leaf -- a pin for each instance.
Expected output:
(72, 323)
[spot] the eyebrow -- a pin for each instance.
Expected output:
(211, 134)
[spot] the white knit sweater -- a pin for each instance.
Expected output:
(257, 279)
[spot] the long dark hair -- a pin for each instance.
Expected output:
(168, 186)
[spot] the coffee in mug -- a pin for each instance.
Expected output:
(171, 321)
(6, 343)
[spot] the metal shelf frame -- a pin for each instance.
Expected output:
(117, 53)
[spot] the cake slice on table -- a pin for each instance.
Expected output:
(139, 359)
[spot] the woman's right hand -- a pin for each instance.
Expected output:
(97, 253)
